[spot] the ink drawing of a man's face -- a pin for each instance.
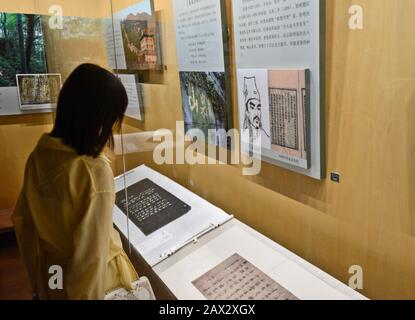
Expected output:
(253, 112)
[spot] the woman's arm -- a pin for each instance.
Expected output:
(27, 238)
(86, 270)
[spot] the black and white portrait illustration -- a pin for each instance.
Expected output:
(253, 115)
(254, 108)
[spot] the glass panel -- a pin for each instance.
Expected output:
(172, 101)
(41, 42)
(140, 61)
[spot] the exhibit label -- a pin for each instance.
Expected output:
(131, 85)
(199, 37)
(114, 44)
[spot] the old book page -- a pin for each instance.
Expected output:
(238, 279)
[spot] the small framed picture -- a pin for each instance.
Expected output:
(38, 91)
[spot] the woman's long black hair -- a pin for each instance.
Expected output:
(91, 103)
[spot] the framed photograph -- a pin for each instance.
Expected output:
(22, 51)
(17, 29)
(133, 39)
(205, 105)
(38, 91)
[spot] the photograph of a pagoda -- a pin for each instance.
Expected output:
(141, 41)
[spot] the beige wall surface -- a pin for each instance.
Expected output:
(368, 219)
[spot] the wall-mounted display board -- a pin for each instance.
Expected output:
(22, 51)
(200, 41)
(279, 50)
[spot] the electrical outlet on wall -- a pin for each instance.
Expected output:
(335, 177)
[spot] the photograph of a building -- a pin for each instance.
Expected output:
(140, 41)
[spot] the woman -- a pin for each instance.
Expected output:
(63, 218)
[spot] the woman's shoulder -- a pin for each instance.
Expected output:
(99, 172)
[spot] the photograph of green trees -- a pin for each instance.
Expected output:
(22, 48)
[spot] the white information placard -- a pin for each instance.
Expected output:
(114, 44)
(199, 40)
(278, 35)
(131, 85)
